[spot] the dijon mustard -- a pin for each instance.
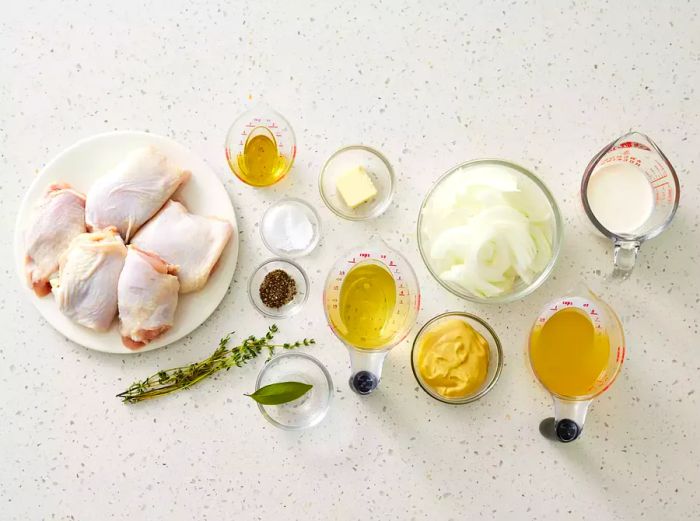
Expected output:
(453, 358)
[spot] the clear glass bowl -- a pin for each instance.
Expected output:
(378, 168)
(520, 289)
(495, 356)
(295, 271)
(303, 412)
(310, 214)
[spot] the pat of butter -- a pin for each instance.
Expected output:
(355, 187)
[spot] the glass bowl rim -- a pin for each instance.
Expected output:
(557, 242)
(299, 305)
(499, 355)
(300, 253)
(325, 372)
(380, 208)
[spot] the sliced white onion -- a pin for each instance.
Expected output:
(485, 231)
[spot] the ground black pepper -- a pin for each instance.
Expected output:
(277, 289)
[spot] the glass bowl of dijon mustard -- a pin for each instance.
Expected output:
(456, 358)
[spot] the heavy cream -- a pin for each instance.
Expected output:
(621, 197)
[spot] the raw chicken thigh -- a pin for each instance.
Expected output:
(192, 242)
(59, 217)
(132, 192)
(86, 285)
(147, 297)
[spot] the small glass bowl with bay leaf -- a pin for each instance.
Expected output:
(278, 288)
(289, 372)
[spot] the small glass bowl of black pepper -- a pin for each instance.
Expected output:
(278, 288)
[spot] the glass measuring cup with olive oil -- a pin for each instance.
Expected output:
(371, 300)
(260, 161)
(576, 351)
(260, 147)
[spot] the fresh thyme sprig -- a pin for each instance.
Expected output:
(171, 380)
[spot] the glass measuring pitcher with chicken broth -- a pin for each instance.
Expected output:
(630, 193)
(576, 351)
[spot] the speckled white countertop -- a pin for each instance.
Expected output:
(545, 84)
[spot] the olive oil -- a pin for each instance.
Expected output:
(260, 162)
(366, 306)
(567, 354)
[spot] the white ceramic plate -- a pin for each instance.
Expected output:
(203, 194)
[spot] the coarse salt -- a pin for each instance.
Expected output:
(287, 227)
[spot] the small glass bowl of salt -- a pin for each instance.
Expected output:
(290, 228)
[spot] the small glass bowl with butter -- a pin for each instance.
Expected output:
(357, 183)
(456, 358)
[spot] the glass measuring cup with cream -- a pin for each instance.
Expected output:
(630, 193)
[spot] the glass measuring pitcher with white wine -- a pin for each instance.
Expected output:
(576, 350)
(371, 299)
(630, 193)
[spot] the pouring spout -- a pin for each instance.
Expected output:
(366, 370)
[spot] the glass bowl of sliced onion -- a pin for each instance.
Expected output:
(490, 231)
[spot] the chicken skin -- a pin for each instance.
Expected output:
(192, 242)
(86, 285)
(146, 296)
(132, 192)
(59, 217)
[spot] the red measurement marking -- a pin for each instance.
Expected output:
(568, 303)
(391, 264)
(364, 255)
(630, 144)
(555, 308)
(402, 294)
(659, 186)
(543, 320)
(250, 125)
(382, 256)
(335, 287)
(620, 354)
(586, 305)
(273, 125)
(353, 261)
(593, 312)
(342, 273)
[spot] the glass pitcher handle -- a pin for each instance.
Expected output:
(624, 258)
(569, 417)
(366, 370)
